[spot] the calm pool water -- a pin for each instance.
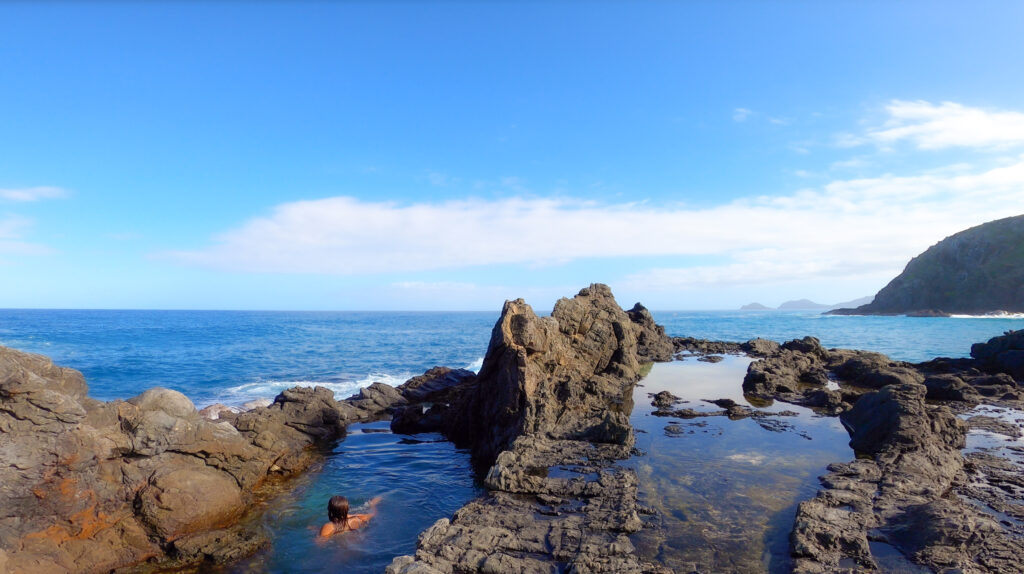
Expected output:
(421, 478)
(725, 491)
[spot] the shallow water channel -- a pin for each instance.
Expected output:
(725, 491)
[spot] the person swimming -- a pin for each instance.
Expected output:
(341, 521)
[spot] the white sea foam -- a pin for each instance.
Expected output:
(993, 315)
(270, 389)
(476, 365)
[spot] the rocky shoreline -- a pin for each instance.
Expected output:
(911, 495)
(149, 485)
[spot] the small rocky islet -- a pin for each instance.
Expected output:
(148, 484)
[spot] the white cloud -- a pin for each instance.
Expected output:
(847, 228)
(27, 194)
(741, 114)
(938, 126)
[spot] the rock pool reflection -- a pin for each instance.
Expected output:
(725, 490)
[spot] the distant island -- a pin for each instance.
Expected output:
(978, 271)
(805, 305)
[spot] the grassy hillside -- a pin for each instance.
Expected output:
(978, 270)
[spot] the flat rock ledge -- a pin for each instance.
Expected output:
(548, 415)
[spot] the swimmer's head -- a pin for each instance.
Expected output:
(337, 509)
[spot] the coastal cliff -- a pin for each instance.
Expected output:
(977, 271)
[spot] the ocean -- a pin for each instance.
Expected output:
(235, 356)
(716, 483)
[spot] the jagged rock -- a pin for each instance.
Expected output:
(417, 418)
(256, 404)
(994, 425)
(780, 373)
(569, 375)
(873, 370)
(651, 342)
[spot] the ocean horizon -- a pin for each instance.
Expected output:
(233, 356)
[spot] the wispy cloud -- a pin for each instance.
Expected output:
(27, 194)
(845, 228)
(741, 114)
(929, 126)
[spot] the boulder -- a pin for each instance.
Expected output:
(568, 376)
(439, 384)
(896, 418)
(188, 499)
(1003, 354)
(949, 387)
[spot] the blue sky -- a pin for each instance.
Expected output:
(233, 155)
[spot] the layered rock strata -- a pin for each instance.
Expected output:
(549, 415)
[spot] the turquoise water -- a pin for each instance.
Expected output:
(421, 479)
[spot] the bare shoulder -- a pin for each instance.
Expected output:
(327, 530)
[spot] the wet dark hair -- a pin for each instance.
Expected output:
(337, 509)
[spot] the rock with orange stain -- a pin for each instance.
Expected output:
(88, 486)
